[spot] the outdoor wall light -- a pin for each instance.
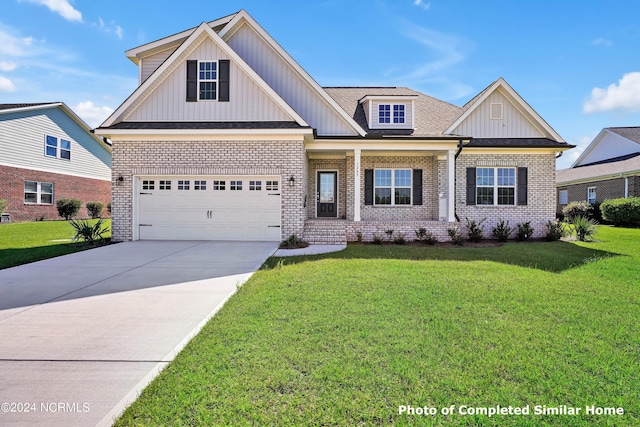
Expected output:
(292, 181)
(119, 181)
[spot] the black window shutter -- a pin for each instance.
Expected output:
(522, 186)
(417, 187)
(471, 186)
(368, 186)
(223, 80)
(192, 81)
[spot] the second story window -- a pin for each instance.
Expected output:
(391, 113)
(384, 113)
(57, 147)
(398, 113)
(208, 80)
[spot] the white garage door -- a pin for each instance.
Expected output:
(208, 208)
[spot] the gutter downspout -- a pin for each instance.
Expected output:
(460, 145)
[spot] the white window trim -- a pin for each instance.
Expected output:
(208, 80)
(589, 190)
(391, 110)
(495, 185)
(58, 147)
(393, 187)
(39, 193)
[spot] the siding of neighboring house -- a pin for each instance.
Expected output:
(605, 189)
(22, 144)
(514, 123)
(261, 57)
(541, 203)
(65, 186)
(134, 158)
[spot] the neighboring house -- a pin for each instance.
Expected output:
(48, 153)
(609, 168)
(228, 138)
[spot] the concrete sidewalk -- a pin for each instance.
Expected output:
(82, 334)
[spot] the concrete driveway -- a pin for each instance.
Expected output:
(82, 334)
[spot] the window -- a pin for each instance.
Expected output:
(235, 185)
(183, 185)
(208, 80)
(495, 186)
(219, 185)
(398, 114)
(384, 113)
(255, 185)
(165, 185)
(272, 185)
(199, 185)
(57, 148)
(148, 185)
(591, 195)
(392, 186)
(38, 192)
(563, 197)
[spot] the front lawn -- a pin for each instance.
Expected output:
(346, 339)
(25, 242)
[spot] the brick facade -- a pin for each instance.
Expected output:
(605, 189)
(137, 158)
(541, 203)
(65, 186)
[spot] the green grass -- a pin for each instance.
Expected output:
(345, 339)
(25, 242)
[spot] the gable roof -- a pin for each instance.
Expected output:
(606, 169)
(431, 118)
(520, 104)
(143, 91)
(630, 134)
(12, 108)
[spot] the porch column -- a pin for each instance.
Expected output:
(356, 183)
(451, 179)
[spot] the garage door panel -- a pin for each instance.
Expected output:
(212, 212)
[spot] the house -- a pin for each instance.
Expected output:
(609, 168)
(228, 137)
(48, 153)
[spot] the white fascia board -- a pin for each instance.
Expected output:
(228, 30)
(204, 134)
(30, 108)
(599, 178)
(145, 89)
(604, 132)
(387, 98)
(501, 83)
(136, 53)
(334, 145)
(511, 150)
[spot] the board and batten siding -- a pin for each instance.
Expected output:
(248, 102)
(290, 85)
(514, 123)
(22, 144)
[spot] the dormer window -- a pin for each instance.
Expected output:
(389, 111)
(384, 113)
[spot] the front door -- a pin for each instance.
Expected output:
(327, 196)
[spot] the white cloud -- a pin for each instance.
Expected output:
(602, 42)
(11, 45)
(6, 85)
(625, 96)
(570, 156)
(61, 7)
(7, 66)
(92, 114)
(422, 4)
(111, 28)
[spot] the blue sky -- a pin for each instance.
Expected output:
(575, 62)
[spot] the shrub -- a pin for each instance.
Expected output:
(475, 229)
(555, 230)
(293, 242)
(378, 238)
(524, 232)
(95, 209)
(455, 235)
(425, 236)
(399, 239)
(359, 236)
(68, 208)
(502, 231)
(622, 211)
(109, 208)
(585, 228)
(575, 209)
(389, 234)
(88, 232)
(3, 206)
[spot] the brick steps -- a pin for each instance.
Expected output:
(325, 232)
